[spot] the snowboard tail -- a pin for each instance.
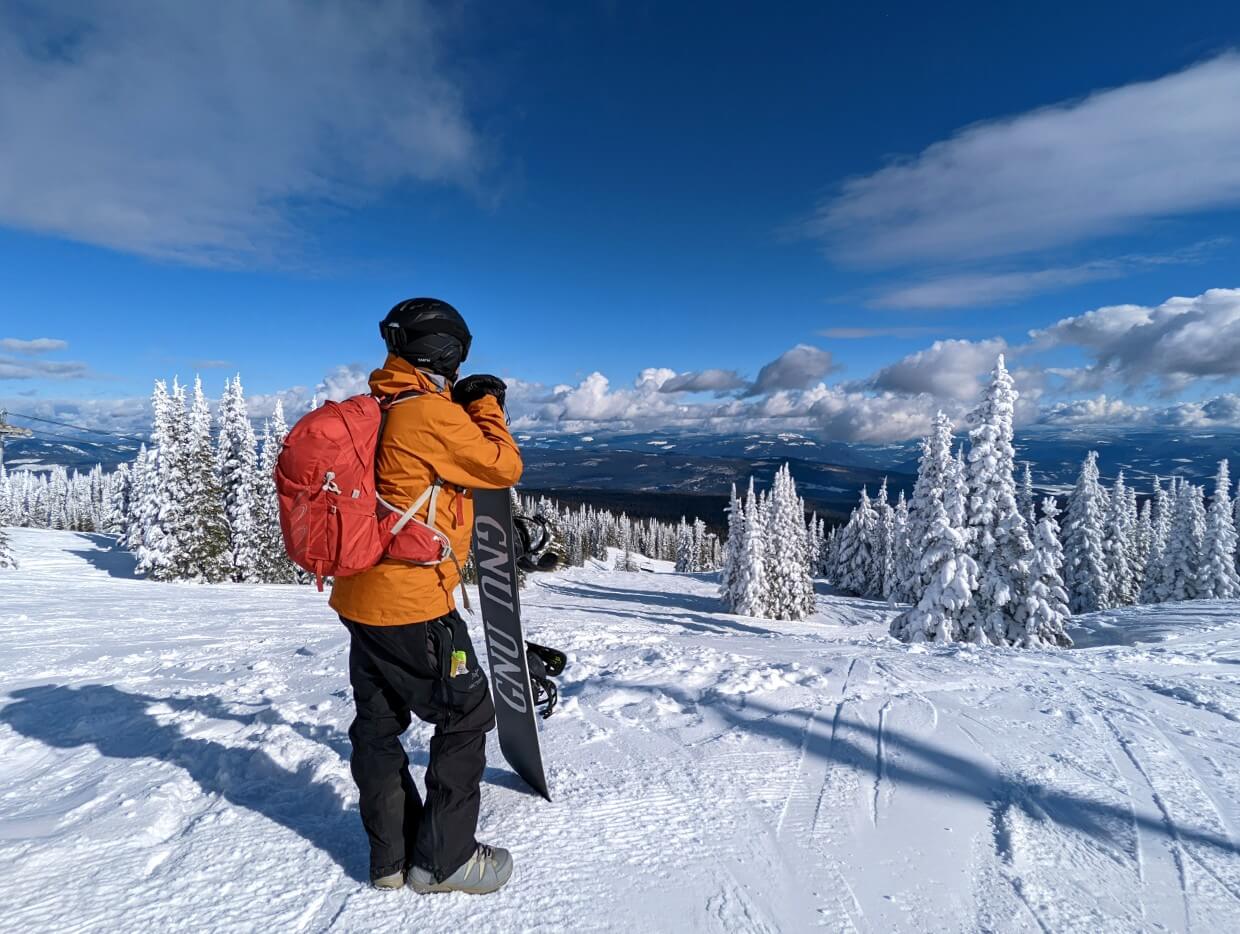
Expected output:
(500, 605)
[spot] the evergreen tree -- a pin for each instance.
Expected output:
(791, 592)
(1119, 547)
(933, 479)
(999, 538)
(1025, 497)
(752, 588)
(903, 570)
(949, 574)
(1045, 618)
(204, 550)
(236, 459)
(274, 567)
(116, 518)
(684, 547)
(857, 550)
(885, 559)
(165, 502)
(1183, 554)
(1218, 569)
(139, 492)
(1156, 585)
(1142, 541)
(6, 518)
(1085, 565)
(703, 547)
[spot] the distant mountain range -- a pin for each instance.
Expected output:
(666, 474)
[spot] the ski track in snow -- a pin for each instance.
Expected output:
(175, 757)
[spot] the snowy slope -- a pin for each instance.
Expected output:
(174, 757)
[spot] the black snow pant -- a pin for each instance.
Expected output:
(396, 671)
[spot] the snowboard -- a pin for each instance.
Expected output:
(496, 562)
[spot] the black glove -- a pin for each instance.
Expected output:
(472, 388)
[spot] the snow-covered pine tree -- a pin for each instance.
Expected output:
(949, 574)
(1085, 565)
(902, 553)
(204, 554)
(1218, 578)
(1119, 547)
(999, 540)
(1025, 501)
(274, 567)
(1156, 583)
(703, 547)
(752, 590)
(684, 547)
(857, 549)
(6, 519)
(813, 545)
(165, 499)
(884, 557)
(1045, 618)
(934, 476)
(236, 460)
(1183, 553)
(956, 495)
(788, 583)
(1142, 540)
(139, 485)
(115, 520)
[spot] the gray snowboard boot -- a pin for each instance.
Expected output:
(395, 880)
(487, 870)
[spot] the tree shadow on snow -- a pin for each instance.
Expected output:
(694, 606)
(120, 726)
(912, 761)
(108, 556)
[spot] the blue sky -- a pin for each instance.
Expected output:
(610, 188)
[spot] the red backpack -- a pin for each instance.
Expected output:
(334, 522)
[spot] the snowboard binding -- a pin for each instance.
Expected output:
(534, 542)
(544, 664)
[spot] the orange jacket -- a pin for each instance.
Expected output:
(425, 437)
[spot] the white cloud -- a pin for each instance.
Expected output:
(964, 290)
(947, 369)
(654, 378)
(26, 368)
(342, 382)
(196, 131)
(28, 347)
(1172, 344)
(1096, 411)
(797, 368)
(712, 380)
(1050, 177)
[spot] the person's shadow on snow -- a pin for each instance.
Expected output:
(121, 726)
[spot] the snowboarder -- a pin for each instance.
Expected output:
(410, 651)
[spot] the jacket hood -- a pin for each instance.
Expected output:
(397, 375)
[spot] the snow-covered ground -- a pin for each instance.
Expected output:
(174, 757)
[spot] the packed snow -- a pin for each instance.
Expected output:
(174, 756)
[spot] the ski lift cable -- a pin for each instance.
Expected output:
(95, 431)
(41, 433)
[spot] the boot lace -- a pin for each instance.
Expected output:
(483, 856)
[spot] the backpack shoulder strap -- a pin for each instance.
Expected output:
(385, 405)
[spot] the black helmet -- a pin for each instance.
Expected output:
(427, 333)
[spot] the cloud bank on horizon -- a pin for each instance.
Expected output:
(1122, 347)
